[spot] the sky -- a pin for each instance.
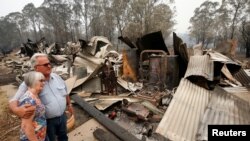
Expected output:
(184, 8)
(8, 6)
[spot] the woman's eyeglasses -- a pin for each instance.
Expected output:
(42, 80)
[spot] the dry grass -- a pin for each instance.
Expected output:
(9, 124)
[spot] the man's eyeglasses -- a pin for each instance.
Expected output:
(45, 65)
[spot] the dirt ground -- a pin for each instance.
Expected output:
(10, 124)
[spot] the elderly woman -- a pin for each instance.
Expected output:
(33, 128)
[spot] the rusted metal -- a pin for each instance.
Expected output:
(139, 110)
(155, 73)
(172, 74)
(108, 79)
(148, 98)
(154, 97)
(154, 70)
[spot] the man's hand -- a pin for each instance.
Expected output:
(25, 111)
(70, 109)
(28, 110)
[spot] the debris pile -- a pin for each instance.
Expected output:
(151, 92)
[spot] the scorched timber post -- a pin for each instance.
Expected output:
(117, 130)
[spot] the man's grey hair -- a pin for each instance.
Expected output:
(31, 78)
(33, 59)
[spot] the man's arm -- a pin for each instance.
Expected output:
(69, 105)
(68, 102)
(24, 111)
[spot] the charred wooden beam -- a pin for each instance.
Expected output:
(117, 130)
(102, 135)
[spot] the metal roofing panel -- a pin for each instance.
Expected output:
(247, 72)
(216, 56)
(237, 90)
(241, 92)
(242, 77)
(180, 121)
(223, 108)
(231, 65)
(96, 43)
(200, 66)
(190, 51)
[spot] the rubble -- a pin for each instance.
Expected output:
(148, 91)
(109, 124)
(104, 104)
(181, 119)
(138, 110)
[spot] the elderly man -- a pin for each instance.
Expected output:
(53, 96)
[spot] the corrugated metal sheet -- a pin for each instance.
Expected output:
(180, 121)
(216, 56)
(242, 77)
(96, 43)
(200, 66)
(247, 72)
(223, 108)
(190, 51)
(231, 65)
(241, 92)
(197, 49)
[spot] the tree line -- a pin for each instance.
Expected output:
(69, 20)
(213, 22)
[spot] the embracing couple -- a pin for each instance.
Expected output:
(40, 102)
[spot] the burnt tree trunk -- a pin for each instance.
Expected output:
(247, 49)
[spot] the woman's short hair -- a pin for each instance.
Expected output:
(31, 78)
(33, 59)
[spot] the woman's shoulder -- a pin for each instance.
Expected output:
(27, 98)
